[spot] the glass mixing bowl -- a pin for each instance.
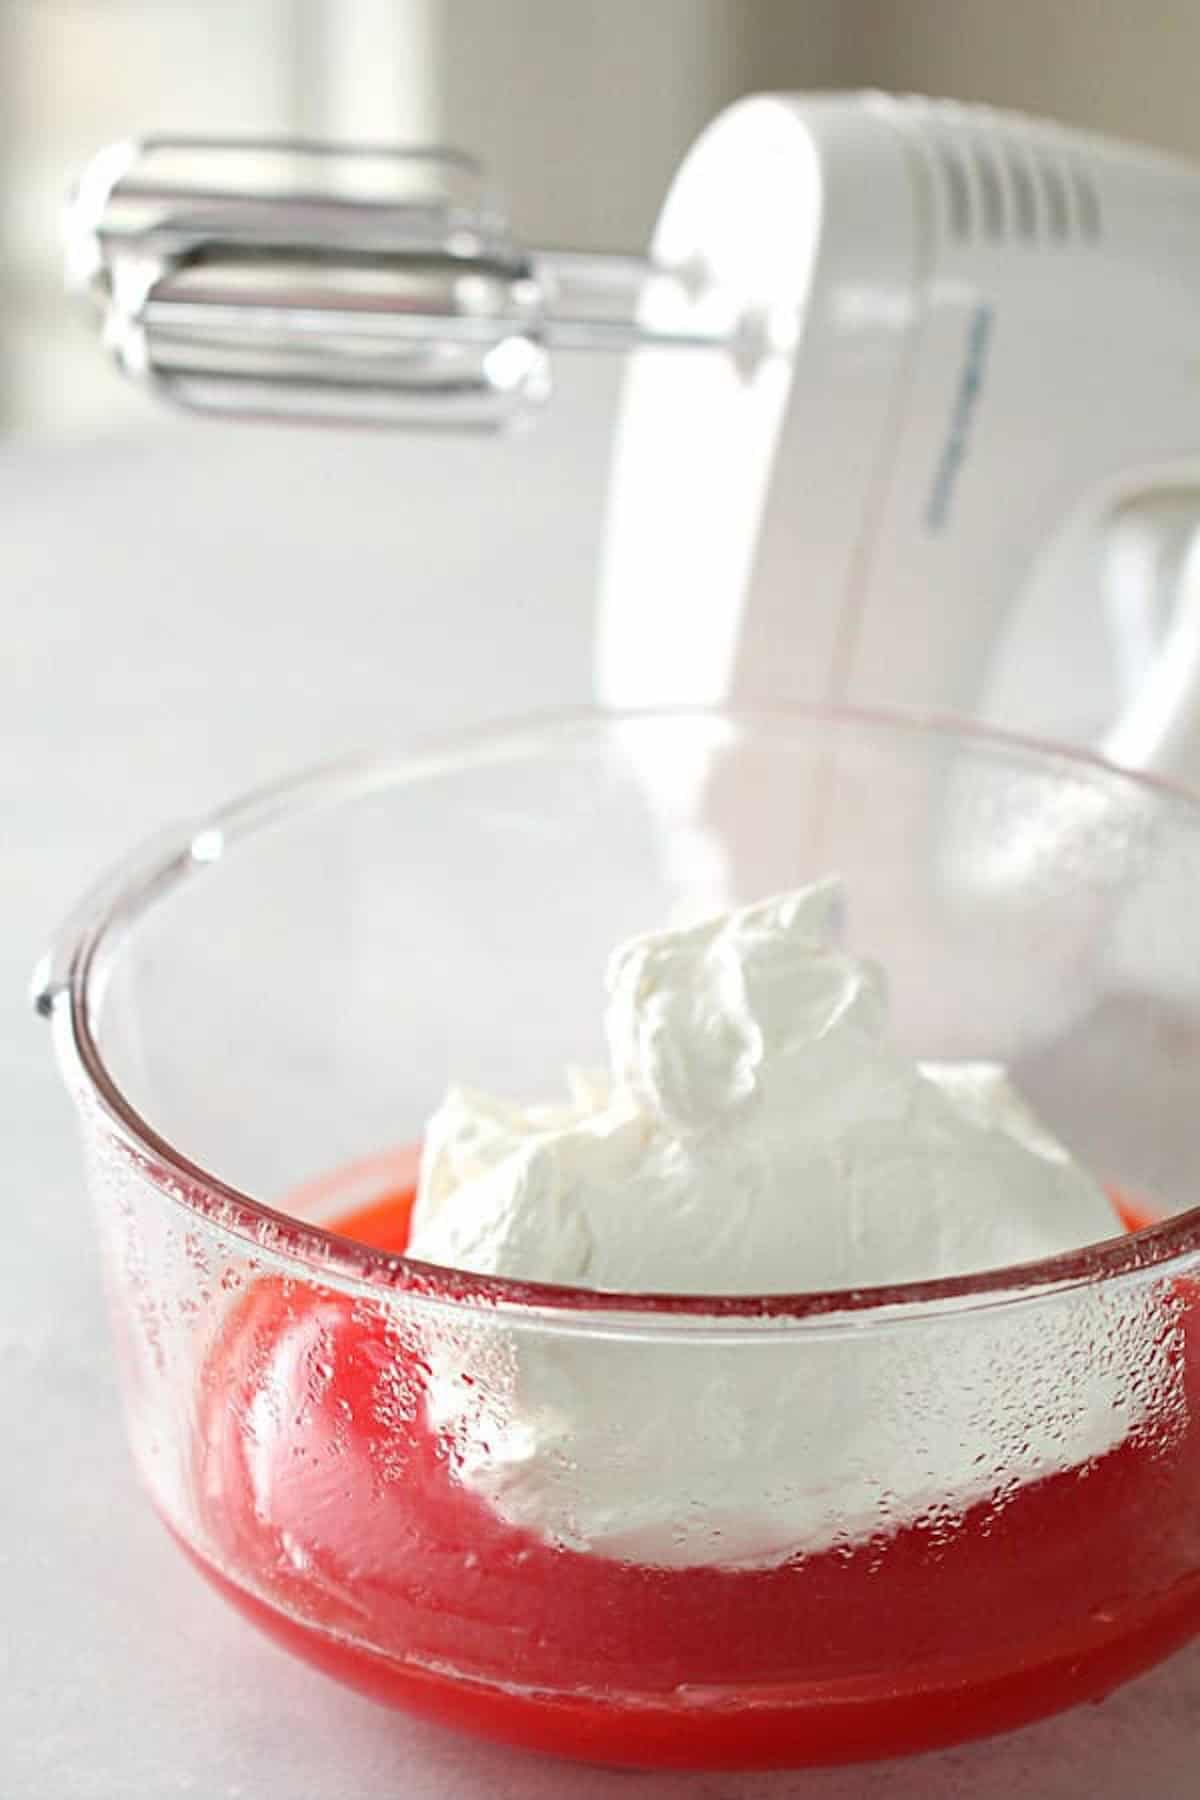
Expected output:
(859, 1523)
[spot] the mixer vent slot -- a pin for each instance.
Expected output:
(993, 200)
(1087, 204)
(997, 186)
(1054, 192)
(1024, 195)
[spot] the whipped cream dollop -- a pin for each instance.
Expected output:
(757, 1132)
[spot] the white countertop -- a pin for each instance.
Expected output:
(186, 611)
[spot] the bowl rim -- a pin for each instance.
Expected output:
(66, 979)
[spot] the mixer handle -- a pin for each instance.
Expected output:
(269, 278)
(1153, 586)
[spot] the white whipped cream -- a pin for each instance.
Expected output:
(758, 1134)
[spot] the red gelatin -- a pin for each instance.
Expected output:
(340, 1525)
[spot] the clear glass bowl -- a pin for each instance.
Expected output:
(862, 1523)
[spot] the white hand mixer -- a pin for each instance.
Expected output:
(908, 381)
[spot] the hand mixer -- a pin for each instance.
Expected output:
(907, 382)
